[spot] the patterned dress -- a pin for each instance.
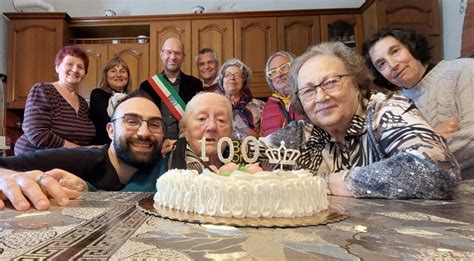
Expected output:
(247, 113)
(389, 151)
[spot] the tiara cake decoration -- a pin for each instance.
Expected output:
(280, 156)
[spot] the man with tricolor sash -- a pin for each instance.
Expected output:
(172, 89)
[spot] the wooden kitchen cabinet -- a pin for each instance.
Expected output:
(98, 57)
(422, 16)
(33, 42)
(217, 34)
(162, 30)
(136, 55)
(296, 33)
(346, 28)
(255, 41)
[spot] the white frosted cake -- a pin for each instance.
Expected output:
(263, 194)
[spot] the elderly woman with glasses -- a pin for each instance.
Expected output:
(234, 79)
(363, 144)
(55, 114)
(278, 112)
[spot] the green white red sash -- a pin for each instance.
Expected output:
(168, 95)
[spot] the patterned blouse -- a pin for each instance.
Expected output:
(389, 151)
(241, 128)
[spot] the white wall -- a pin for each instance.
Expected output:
(5, 6)
(452, 20)
(452, 24)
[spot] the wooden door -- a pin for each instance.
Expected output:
(98, 57)
(255, 40)
(32, 46)
(297, 33)
(159, 32)
(217, 34)
(336, 28)
(137, 58)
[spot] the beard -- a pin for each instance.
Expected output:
(137, 159)
(173, 68)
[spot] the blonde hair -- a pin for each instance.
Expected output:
(116, 60)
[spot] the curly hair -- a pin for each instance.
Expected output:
(416, 43)
(246, 72)
(353, 62)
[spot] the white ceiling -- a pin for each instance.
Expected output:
(149, 7)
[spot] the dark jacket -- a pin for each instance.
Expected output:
(99, 102)
(93, 165)
(188, 87)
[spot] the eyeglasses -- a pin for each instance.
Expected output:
(331, 85)
(170, 52)
(233, 75)
(133, 122)
(273, 73)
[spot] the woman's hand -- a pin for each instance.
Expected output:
(447, 128)
(21, 188)
(337, 186)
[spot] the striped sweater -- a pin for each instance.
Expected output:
(49, 120)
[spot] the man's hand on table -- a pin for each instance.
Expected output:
(31, 189)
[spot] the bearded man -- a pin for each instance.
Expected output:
(132, 162)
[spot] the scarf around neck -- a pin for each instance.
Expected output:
(242, 110)
(285, 100)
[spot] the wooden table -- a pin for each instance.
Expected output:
(107, 225)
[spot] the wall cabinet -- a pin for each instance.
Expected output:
(32, 46)
(422, 16)
(296, 33)
(162, 30)
(136, 55)
(344, 28)
(217, 34)
(255, 41)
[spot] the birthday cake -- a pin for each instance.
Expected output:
(241, 194)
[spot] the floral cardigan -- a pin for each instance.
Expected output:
(389, 151)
